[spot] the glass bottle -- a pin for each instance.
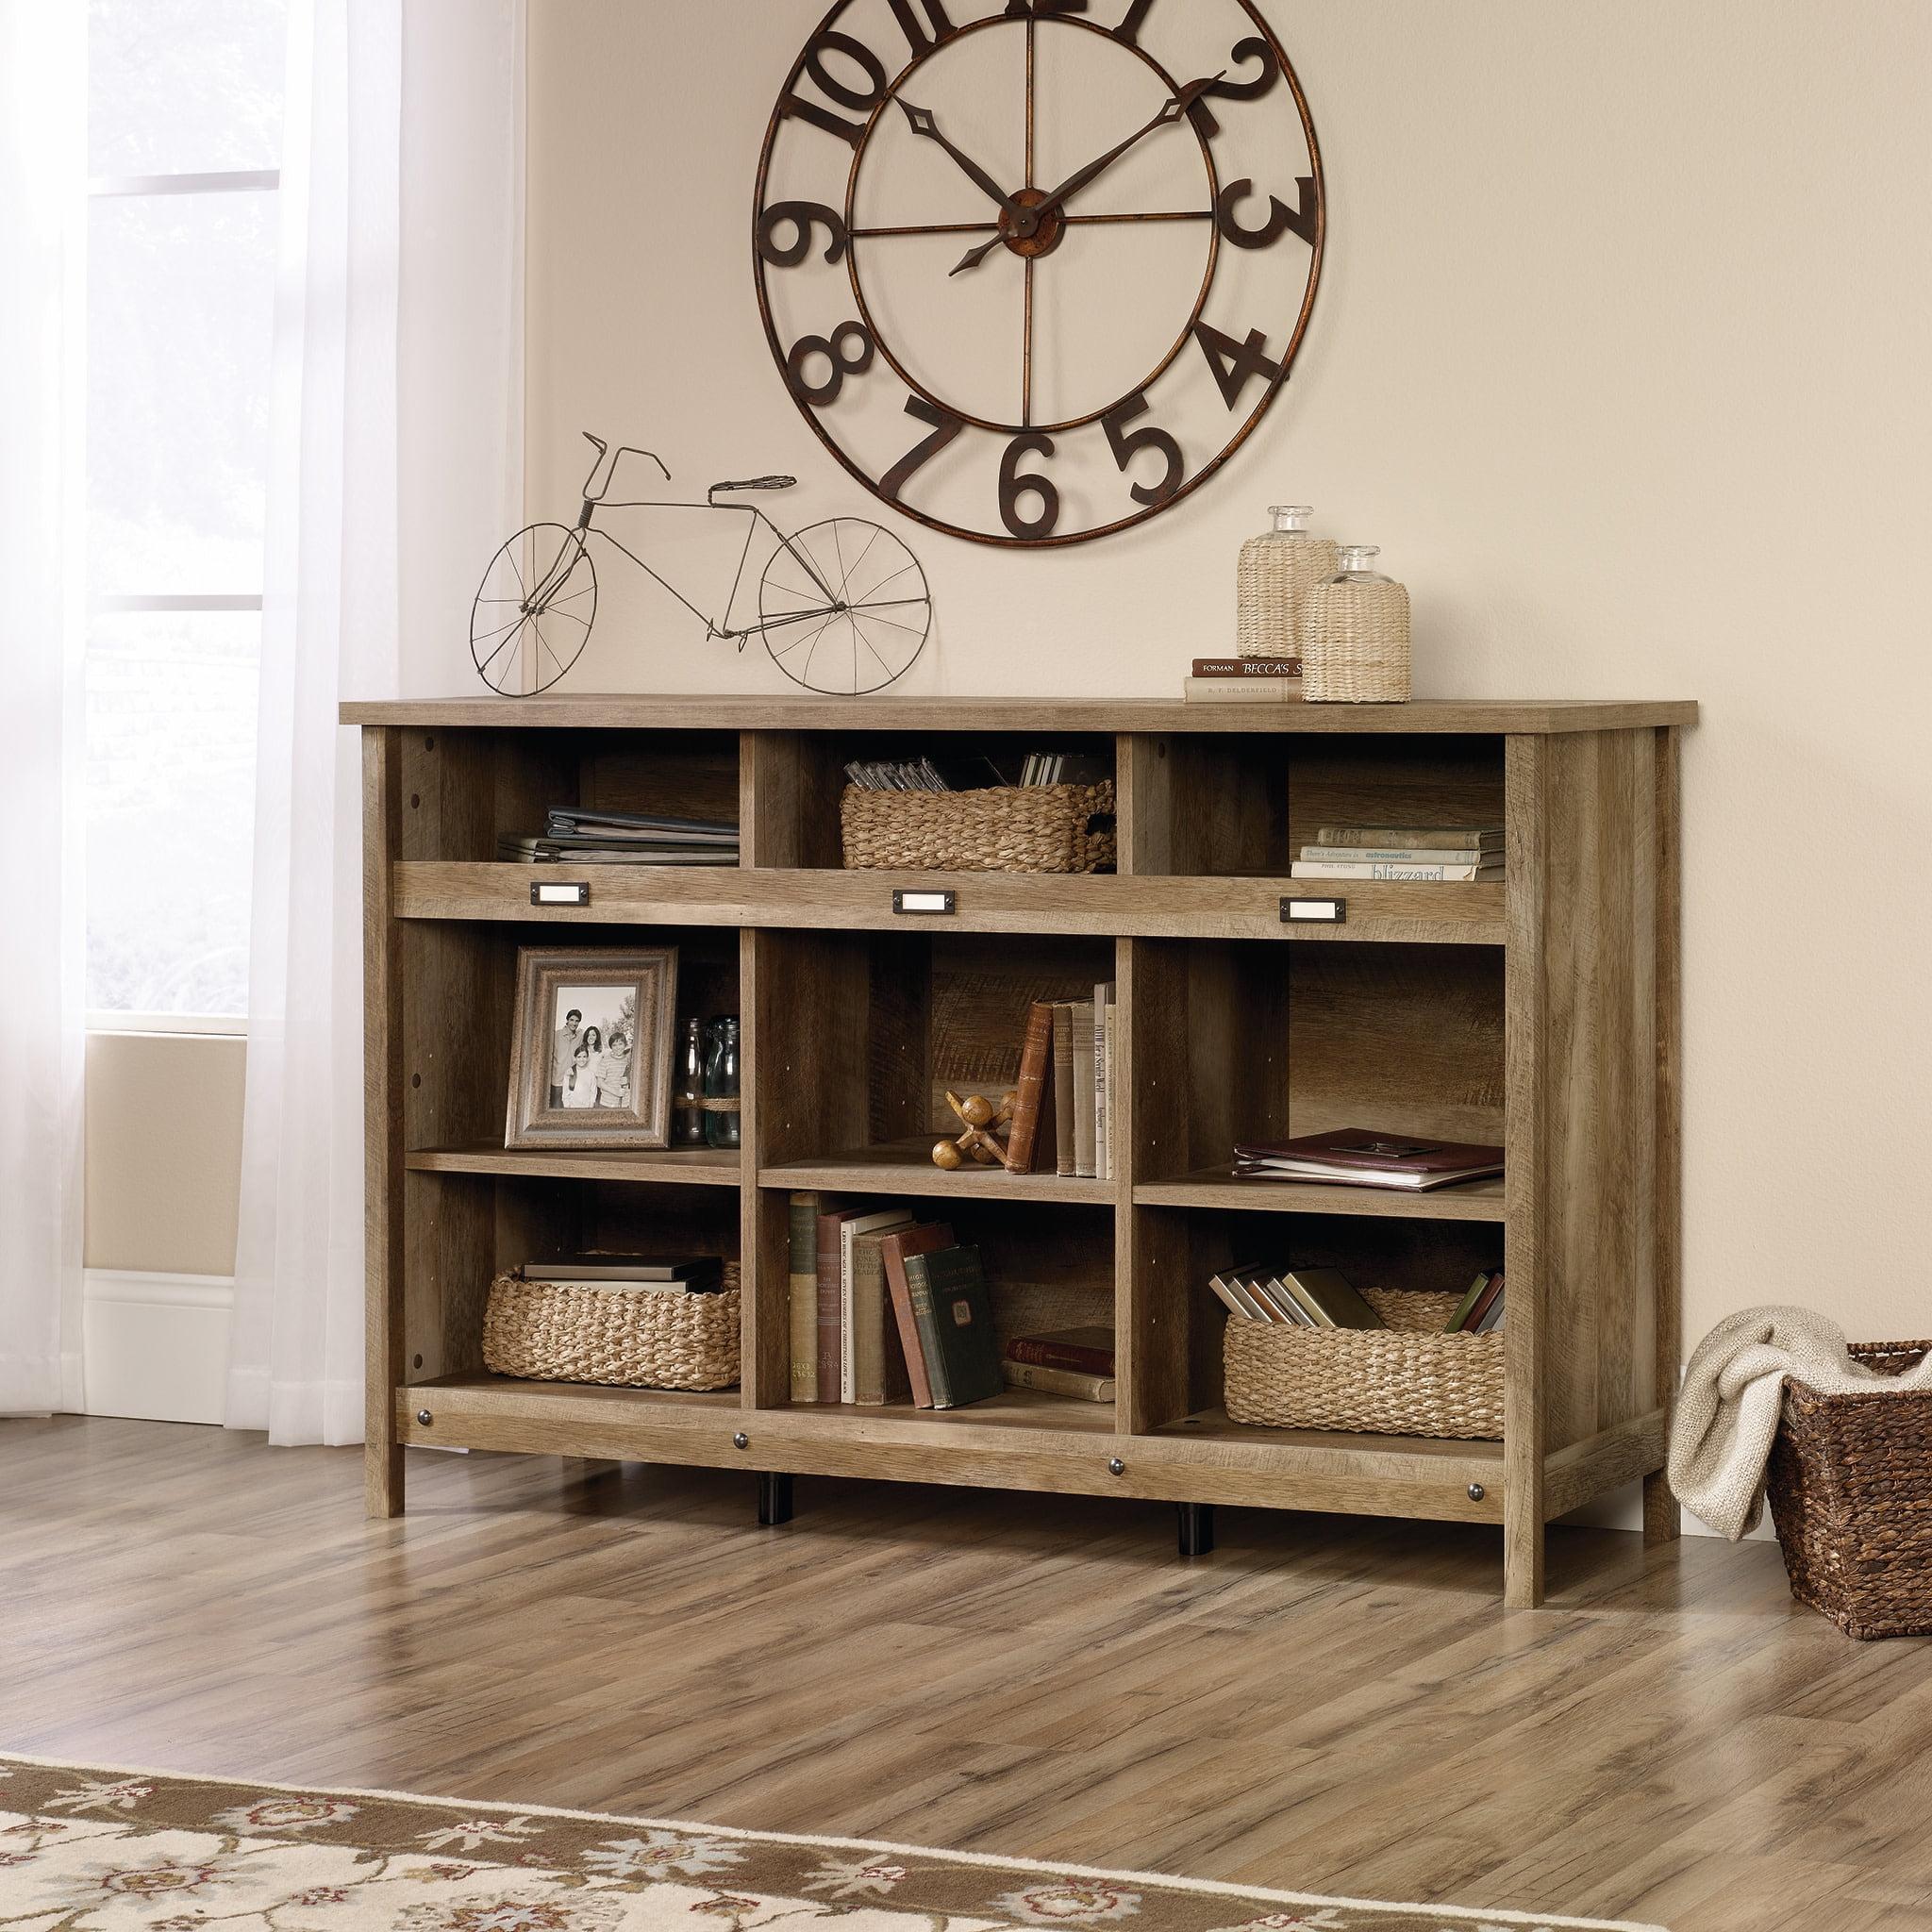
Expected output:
(722, 1113)
(1277, 570)
(1355, 635)
(688, 1087)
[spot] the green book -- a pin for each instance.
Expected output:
(1467, 1303)
(1326, 1296)
(954, 1316)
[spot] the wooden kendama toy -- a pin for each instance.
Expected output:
(980, 1143)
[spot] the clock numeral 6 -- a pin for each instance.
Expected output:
(1128, 443)
(1303, 218)
(1237, 364)
(803, 216)
(845, 362)
(945, 426)
(1016, 483)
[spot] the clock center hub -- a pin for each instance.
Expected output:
(1031, 235)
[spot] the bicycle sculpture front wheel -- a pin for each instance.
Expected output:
(533, 610)
(845, 607)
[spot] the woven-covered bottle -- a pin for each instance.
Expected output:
(1276, 572)
(1355, 635)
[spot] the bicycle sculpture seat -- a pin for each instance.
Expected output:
(842, 605)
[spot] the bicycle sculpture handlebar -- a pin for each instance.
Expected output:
(623, 450)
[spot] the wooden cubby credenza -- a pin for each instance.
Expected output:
(1541, 1013)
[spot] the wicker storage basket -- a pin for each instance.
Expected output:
(1851, 1493)
(552, 1334)
(1002, 828)
(1409, 1379)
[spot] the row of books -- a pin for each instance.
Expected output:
(1325, 1298)
(1063, 1119)
(885, 1307)
(977, 772)
(1359, 1158)
(675, 1274)
(1465, 853)
(578, 835)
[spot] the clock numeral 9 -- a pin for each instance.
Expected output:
(1126, 444)
(1281, 218)
(945, 426)
(1016, 483)
(804, 216)
(845, 362)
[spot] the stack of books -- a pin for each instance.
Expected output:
(1243, 680)
(1063, 1361)
(1359, 1158)
(1467, 853)
(1063, 1120)
(629, 1273)
(580, 837)
(977, 772)
(1480, 1311)
(1323, 1298)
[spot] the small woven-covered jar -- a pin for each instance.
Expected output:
(1277, 570)
(1355, 635)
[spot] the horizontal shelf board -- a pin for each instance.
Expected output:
(1216, 1186)
(1103, 904)
(1025, 1408)
(704, 1167)
(904, 1167)
(735, 711)
(478, 1387)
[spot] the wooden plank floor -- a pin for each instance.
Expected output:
(1320, 1704)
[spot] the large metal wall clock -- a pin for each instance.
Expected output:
(1035, 269)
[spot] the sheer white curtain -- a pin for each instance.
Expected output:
(42, 241)
(397, 453)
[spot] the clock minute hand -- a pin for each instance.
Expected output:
(1029, 219)
(923, 123)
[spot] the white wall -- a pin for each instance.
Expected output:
(1620, 353)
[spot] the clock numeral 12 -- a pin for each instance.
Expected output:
(1236, 364)
(844, 363)
(1016, 483)
(1128, 443)
(945, 427)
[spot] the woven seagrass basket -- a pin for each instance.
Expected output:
(1002, 828)
(1407, 1379)
(1850, 1484)
(553, 1334)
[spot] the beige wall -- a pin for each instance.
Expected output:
(1619, 354)
(163, 1151)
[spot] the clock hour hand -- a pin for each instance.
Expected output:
(1029, 221)
(922, 123)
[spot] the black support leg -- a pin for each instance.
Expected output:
(775, 1499)
(1197, 1528)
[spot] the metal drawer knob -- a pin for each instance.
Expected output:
(1477, 1492)
(1115, 1466)
(424, 1417)
(740, 1440)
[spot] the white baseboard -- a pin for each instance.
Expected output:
(1624, 1509)
(155, 1346)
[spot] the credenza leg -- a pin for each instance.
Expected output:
(774, 1500)
(1197, 1528)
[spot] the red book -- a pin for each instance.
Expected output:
(1086, 1351)
(896, 1250)
(1247, 667)
(1357, 1157)
(1033, 1110)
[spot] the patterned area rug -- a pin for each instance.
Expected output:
(84, 1849)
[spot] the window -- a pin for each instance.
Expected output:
(184, 137)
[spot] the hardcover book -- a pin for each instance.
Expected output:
(1083, 1088)
(1057, 1381)
(879, 1371)
(1088, 1350)
(1032, 1133)
(1064, 1088)
(853, 1224)
(1242, 691)
(1247, 667)
(1357, 1157)
(1327, 1296)
(802, 1287)
(1393, 873)
(1458, 838)
(896, 1250)
(954, 1317)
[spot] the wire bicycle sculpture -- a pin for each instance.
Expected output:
(843, 605)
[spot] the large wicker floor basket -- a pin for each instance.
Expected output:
(1407, 1379)
(1002, 828)
(553, 1334)
(1851, 1493)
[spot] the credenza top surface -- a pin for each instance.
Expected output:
(641, 711)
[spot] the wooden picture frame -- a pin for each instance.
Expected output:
(570, 1084)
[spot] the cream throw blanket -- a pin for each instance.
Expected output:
(1733, 1390)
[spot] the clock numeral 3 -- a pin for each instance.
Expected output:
(1281, 218)
(845, 362)
(1016, 483)
(1236, 364)
(803, 216)
(861, 100)
(1128, 443)
(944, 427)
